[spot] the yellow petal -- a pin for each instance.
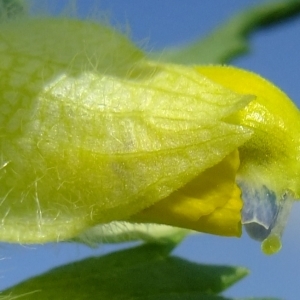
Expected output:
(270, 169)
(271, 155)
(209, 203)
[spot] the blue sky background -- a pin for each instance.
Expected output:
(275, 55)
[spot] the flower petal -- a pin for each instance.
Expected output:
(209, 203)
(270, 169)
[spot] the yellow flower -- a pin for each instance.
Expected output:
(268, 172)
(92, 132)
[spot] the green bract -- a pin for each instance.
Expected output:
(91, 132)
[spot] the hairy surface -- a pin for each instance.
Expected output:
(91, 132)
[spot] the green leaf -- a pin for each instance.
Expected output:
(144, 272)
(230, 39)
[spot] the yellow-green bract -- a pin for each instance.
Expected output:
(91, 132)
